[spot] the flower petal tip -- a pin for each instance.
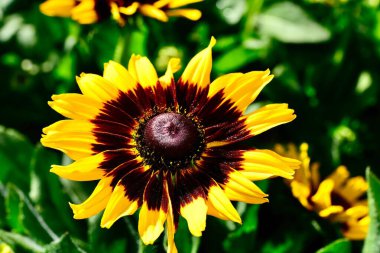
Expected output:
(212, 42)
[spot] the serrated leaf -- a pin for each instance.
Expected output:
(338, 246)
(289, 23)
(372, 241)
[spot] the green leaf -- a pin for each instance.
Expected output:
(242, 239)
(338, 246)
(2, 205)
(372, 241)
(63, 245)
(185, 241)
(288, 23)
(23, 217)
(47, 194)
(226, 42)
(235, 59)
(15, 154)
(13, 211)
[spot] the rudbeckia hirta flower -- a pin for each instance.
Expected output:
(91, 11)
(171, 148)
(338, 197)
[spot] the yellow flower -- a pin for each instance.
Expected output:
(91, 11)
(4, 248)
(338, 197)
(167, 147)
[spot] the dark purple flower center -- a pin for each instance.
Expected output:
(170, 141)
(171, 135)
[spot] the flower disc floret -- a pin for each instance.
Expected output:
(170, 140)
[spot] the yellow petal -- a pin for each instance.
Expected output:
(116, 14)
(222, 204)
(191, 14)
(262, 164)
(358, 229)
(119, 76)
(170, 226)
(357, 211)
(142, 71)
(198, 70)
(244, 90)
(119, 205)
(97, 87)
(171, 231)
(173, 66)
(221, 82)
(130, 10)
(331, 210)
(151, 224)
(75, 106)
(85, 12)
(73, 137)
(179, 3)
(268, 117)
(322, 198)
(195, 214)
(74, 148)
(153, 12)
(304, 174)
(353, 189)
(161, 3)
(69, 126)
(239, 188)
(96, 202)
(302, 193)
(211, 210)
(314, 174)
(85, 169)
(339, 176)
(58, 7)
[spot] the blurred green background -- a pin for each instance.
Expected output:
(325, 55)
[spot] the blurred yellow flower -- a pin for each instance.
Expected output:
(338, 197)
(4, 248)
(91, 11)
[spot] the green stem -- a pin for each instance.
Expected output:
(195, 242)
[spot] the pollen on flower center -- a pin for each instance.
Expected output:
(171, 135)
(169, 140)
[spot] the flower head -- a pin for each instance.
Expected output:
(91, 11)
(167, 147)
(338, 197)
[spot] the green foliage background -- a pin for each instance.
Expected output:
(325, 56)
